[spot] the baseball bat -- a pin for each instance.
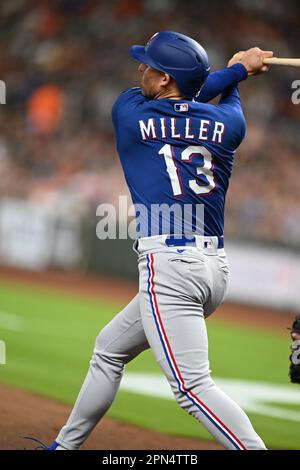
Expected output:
(282, 61)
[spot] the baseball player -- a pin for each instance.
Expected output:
(176, 151)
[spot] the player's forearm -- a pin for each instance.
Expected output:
(218, 82)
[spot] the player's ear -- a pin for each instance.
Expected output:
(166, 79)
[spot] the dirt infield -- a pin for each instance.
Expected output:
(26, 414)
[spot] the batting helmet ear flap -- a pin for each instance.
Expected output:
(178, 55)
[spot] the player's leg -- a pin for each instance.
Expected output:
(118, 343)
(173, 292)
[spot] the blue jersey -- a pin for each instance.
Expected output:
(178, 154)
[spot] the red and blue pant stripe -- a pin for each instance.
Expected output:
(174, 367)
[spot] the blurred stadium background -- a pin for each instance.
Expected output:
(64, 62)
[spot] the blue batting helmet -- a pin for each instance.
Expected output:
(177, 55)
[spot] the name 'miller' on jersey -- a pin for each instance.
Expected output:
(176, 156)
(164, 127)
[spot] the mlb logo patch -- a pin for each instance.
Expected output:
(181, 107)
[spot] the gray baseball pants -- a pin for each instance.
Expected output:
(178, 288)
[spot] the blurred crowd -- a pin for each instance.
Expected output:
(64, 63)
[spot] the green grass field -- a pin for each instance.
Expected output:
(50, 340)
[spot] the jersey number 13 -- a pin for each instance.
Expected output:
(186, 156)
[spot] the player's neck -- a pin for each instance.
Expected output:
(171, 94)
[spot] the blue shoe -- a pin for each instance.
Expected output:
(53, 446)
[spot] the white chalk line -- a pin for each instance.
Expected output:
(254, 397)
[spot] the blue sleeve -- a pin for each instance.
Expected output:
(219, 81)
(231, 96)
(230, 105)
